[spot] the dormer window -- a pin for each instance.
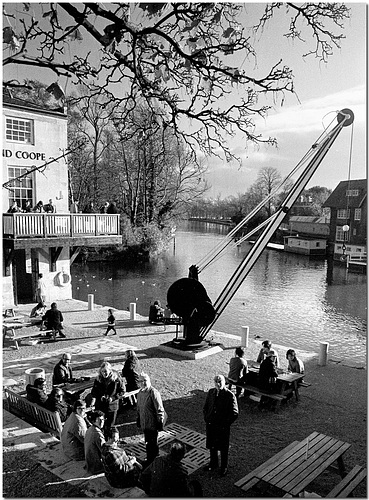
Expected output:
(352, 192)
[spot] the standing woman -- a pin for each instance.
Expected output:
(131, 371)
(107, 388)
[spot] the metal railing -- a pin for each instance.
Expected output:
(31, 225)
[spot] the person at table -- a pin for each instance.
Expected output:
(238, 370)
(38, 311)
(156, 312)
(295, 365)
(94, 440)
(74, 431)
(14, 208)
(131, 371)
(53, 320)
(267, 378)
(166, 476)
(107, 389)
(39, 207)
(56, 402)
(121, 470)
(36, 392)
(266, 346)
(220, 411)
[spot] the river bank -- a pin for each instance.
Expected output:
(334, 404)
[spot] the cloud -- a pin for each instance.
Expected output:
(315, 114)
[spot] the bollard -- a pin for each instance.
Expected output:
(132, 310)
(244, 336)
(323, 354)
(90, 301)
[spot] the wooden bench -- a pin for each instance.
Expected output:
(13, 334)
(43, 419)
(250, 480)
(303, 384)
(257, 391)
(348, 483)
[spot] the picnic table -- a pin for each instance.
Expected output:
(287, 383)
(17, 330)
(296, 466)
(77, 387)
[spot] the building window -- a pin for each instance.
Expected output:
(341, 235)
(357, 214)
(343, 213)
(317, 244)
(352, 192)
(18, 130)
(22, 189)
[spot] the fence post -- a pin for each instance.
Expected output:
(132, 310)
(245, 336)
(91, 302)
(323, 354)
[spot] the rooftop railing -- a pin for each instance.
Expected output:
(33, 225)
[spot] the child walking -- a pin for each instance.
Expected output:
(111, 323)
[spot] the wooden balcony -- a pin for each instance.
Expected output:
(31, 230)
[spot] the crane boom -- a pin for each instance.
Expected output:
(345, 117)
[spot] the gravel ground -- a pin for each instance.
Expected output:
(335, 404)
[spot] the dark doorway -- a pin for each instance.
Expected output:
(24, 288)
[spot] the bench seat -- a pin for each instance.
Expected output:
(255, 390)
(13, 335)
(43, 419)
(348, 483)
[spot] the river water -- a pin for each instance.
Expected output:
(290, 299)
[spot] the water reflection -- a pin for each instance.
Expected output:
(293, 300)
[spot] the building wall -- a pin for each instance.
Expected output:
(50, 140)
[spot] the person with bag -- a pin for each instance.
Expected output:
(151, 416)
(107, 389)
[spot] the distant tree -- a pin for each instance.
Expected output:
(267, 181)
(182, 59)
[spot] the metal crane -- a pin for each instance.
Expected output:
(188, 298)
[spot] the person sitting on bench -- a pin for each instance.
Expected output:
(56, 402)
(36, 393)
(238, 370)
(267, 345)
(156, 313)
(267, 378)
(295, 365)
(38, 311)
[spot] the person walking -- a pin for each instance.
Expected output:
(151, 416)
(41, 289)
(220, 411)
(111, 323)
(53, 319)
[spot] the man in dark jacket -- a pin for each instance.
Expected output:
(63, 373)
(267, 378)
(53, 319)
(36, 393)
(166, 475)
(220, 411)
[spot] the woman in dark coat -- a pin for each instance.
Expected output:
(131, 371)
(107, 389)
(56, 402)
(220, 411)
(267, 378)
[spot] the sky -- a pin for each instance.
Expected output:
(321, 88)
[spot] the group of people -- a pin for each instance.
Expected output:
(106, 208)
(28, 208)
(268, 371)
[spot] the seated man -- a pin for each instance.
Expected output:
(238, 370)
(36, 393)
(267, 345)
(74, 431)
(53, 319)
(267, 378)
(94, 439)
(63, 374)
(121, 470)
(166, 476)
(156, 313)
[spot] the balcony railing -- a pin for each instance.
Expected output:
(31, 225)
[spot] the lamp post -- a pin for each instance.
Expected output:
(345, 229)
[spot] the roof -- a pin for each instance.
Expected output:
(338, 198)
(308, 218)
(11, 101)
